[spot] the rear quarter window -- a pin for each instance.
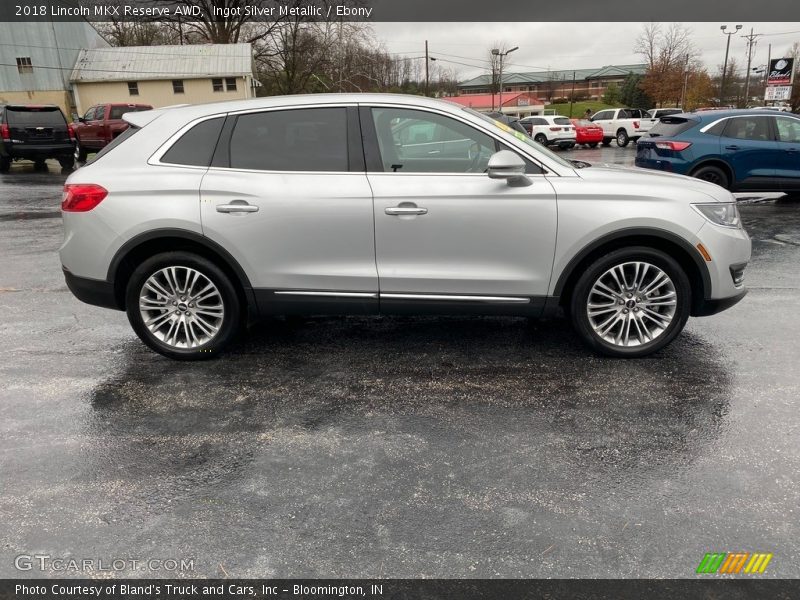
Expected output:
(125, 135)
(196, 146)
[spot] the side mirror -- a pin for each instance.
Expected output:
(81, 120)
(509, 166)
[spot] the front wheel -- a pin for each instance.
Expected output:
(631, 302)
(607, 141)
(67, 162)
(183, 306)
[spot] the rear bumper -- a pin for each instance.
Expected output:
(31, 151)
(713, 306)
(91, 291)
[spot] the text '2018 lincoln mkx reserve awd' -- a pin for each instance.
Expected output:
(199, 219)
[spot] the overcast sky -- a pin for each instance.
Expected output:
(568, 45)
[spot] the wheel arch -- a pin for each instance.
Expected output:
(690, 260)
(145, 245)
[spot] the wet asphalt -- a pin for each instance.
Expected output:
(395, 447)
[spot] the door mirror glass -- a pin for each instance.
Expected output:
(507, 165)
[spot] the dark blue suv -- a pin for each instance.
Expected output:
(741, 150)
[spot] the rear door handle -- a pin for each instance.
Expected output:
(793, 149)
(734, 147)
(405, 210)
(237, 206)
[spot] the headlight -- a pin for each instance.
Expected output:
(720, 213)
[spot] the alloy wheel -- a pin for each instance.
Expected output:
(181, 307)
(631, 304)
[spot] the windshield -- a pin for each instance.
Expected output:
(523, 137)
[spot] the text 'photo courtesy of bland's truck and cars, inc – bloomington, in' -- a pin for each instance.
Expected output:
(316, 300)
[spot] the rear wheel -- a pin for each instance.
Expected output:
(5, 164)
(80, 152)
(183, 306)
(541, 138)
(592, 144)
(622, 138)
(713, 174)
(631, 302)
(566, 146)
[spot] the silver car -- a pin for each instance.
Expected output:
(200, 219)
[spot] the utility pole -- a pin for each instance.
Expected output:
(426, 68)
(501, 56)
(725, 66)
(751, 44)
(572, 96)
(685, 83)
(766, 72)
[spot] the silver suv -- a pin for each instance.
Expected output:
(200, 219)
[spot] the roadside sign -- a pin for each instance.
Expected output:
(778, 92)
(781, 71)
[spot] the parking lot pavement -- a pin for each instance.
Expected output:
(395, 447)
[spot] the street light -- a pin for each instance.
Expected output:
(725, 66)
(502, 55)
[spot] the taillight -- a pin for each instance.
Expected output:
(71, 132)
(674, 146)
(82, 197)
(555, 129)
(636, 124)
(5, 132)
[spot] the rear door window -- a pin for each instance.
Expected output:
(307, 139)
(196, 146)
(749, 128)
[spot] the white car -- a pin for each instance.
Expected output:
(550, 130)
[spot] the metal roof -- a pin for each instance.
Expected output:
(163, 62)
(561, 75)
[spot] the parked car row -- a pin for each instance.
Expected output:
(39, 132)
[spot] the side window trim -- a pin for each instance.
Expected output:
(155, 159)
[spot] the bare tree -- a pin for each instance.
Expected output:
(669, 54)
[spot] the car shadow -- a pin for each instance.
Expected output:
(503, 391)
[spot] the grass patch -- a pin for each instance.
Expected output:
(578, 109)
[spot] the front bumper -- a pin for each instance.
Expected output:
(92, 291)
(712, 307)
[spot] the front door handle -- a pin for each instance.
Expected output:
(237, 206)
(405, 210)
(734, 147)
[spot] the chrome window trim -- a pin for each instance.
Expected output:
(755, 114)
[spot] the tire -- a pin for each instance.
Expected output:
(713, 174)
(607, 141)
(592, 144)
(622, 138)
(80, 152)
(5, 164)
(39, 165)
(541, 138)
(67, 162)
(178, 331)
(605, 330)
(566, 146)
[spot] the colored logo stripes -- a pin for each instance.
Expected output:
(734, 562)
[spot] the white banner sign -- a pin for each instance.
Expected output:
(778, 92)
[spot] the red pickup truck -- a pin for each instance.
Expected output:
(101, 124)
